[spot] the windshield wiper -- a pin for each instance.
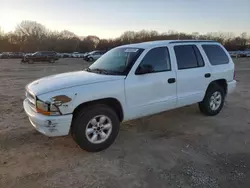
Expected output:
(88, 69)
(103, 71)
(112, 72)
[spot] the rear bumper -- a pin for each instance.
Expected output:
(48, 125)
(231, 86)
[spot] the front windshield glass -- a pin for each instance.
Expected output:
(116, 61)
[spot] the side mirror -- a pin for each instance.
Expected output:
(144, 69)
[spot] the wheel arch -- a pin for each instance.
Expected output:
(110, 102)
(221, 82)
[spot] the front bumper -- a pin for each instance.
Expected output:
(48, 125)
(231, 86)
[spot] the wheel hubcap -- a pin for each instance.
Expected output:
(215, 100)
(98, 129)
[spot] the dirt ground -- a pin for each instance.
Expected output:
(178, 148)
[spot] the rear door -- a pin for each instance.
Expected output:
(193, 74)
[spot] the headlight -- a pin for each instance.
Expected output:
(46, 108)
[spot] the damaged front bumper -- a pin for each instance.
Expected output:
(48, 125)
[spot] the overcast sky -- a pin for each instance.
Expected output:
(110, 18)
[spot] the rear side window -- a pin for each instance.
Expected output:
(216, 55)
(188, 56)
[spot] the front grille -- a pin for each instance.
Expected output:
(31, 100)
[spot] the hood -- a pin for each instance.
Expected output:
(66, 80)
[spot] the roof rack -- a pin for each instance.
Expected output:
(193, 41)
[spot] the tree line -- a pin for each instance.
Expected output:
(30, 36)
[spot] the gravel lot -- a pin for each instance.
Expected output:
(178, 148)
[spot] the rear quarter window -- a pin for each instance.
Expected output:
(216, 55)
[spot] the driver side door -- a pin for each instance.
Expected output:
(154, 91)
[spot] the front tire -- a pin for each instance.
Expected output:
(213, 101)
(91, 59)
(95, 128)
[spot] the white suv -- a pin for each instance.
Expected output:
(129, 82)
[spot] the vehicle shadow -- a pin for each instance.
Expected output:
(29, 136)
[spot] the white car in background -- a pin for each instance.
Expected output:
(76, 55)
(60, 55)
(234, 54)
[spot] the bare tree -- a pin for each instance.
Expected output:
(30, 36)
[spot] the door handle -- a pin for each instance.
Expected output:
(171, 80)
(207, 75)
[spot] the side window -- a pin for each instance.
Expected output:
(215, 54)
(188, 56)
(158, 59)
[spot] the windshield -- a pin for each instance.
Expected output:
(117, 61)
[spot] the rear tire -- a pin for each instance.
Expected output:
(95, 128)
(213, 101)
(91, 59)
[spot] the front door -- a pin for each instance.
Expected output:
(151, 91)
(39, 56)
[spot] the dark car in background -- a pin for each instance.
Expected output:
(49, 56)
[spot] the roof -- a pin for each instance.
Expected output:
(164, 42)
